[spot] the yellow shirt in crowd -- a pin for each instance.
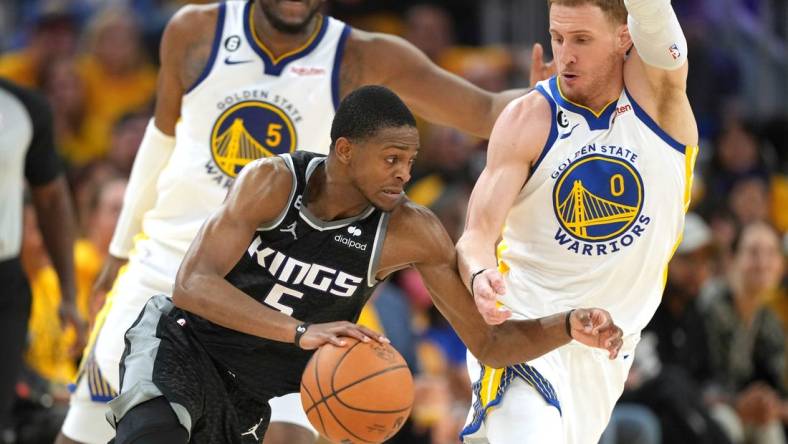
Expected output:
(49, 347)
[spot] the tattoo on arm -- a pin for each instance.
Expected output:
(350, 73)
(195, 58)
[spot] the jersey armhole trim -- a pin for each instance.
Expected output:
(289, 162)
(340, 52)
(377, 248)
(645, 118)
(553, 129)
(217, 38)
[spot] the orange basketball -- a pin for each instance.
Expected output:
(359, 393)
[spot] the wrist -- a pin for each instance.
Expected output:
(299, 332)
(473, 278)
(568, 323)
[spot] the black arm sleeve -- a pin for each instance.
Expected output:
(42, 164)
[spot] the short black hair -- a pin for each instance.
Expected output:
(368, 109)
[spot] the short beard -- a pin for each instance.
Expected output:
(288, 28)
(598, 84)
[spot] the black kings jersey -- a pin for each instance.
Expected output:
(312, 270)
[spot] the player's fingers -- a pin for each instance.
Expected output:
(537, 64)
(601, 320)
(615, 347)
(353, 331)
(336, 340)
(501, 314)
(484, 292)
(486, 306)
(497, 316)
(611, 337)
(374, 335)
(581, 320)
(497, 283)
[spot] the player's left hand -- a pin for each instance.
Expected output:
(595, 328)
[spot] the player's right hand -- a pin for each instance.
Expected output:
(539, 69)
(487, 288)
(103, 284)
(594, 327)
(333, 332)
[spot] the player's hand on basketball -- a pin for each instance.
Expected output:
(539, 69)
(594, 327)
(488, 286)
(336, 332)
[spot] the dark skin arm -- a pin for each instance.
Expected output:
(429, 90)
(56, 220)
(184, 54)
(257, 197)
(431, 251)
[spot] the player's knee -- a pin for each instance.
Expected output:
(152, 422)
(287, 433)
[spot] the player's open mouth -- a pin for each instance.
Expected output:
(392, 194)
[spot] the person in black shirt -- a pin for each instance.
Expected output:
(27, 152)
(315, 235)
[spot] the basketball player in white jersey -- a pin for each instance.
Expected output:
(588, 178)
(265, 81)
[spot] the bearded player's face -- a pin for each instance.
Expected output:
(290, 16)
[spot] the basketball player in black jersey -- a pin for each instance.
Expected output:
(315, 235)
(283, 26)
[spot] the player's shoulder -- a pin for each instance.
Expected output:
(191, 21)
(419, 228)
(191, 14)
(532, 107)
(368, 45)
(267, 175)
(408, 211)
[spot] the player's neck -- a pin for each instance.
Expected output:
(330, 196)
(276, 41)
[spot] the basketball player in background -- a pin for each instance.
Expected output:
(266, 81)
(315, 235)
(589, 177)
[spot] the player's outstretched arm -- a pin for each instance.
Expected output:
(511, 342)
(183, 55)
(430, 91)
(516, 142)
(656, 71)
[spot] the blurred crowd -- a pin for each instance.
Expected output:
(711, 366)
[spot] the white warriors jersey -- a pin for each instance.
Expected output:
(246, 104)
(600, 216)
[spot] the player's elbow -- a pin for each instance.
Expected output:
(489, 352)
(498, 349)
(183, 294)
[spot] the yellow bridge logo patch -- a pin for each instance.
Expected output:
(598, 198)
(248, 131)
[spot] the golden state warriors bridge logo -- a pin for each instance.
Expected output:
(248, 131)
(598, 200)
